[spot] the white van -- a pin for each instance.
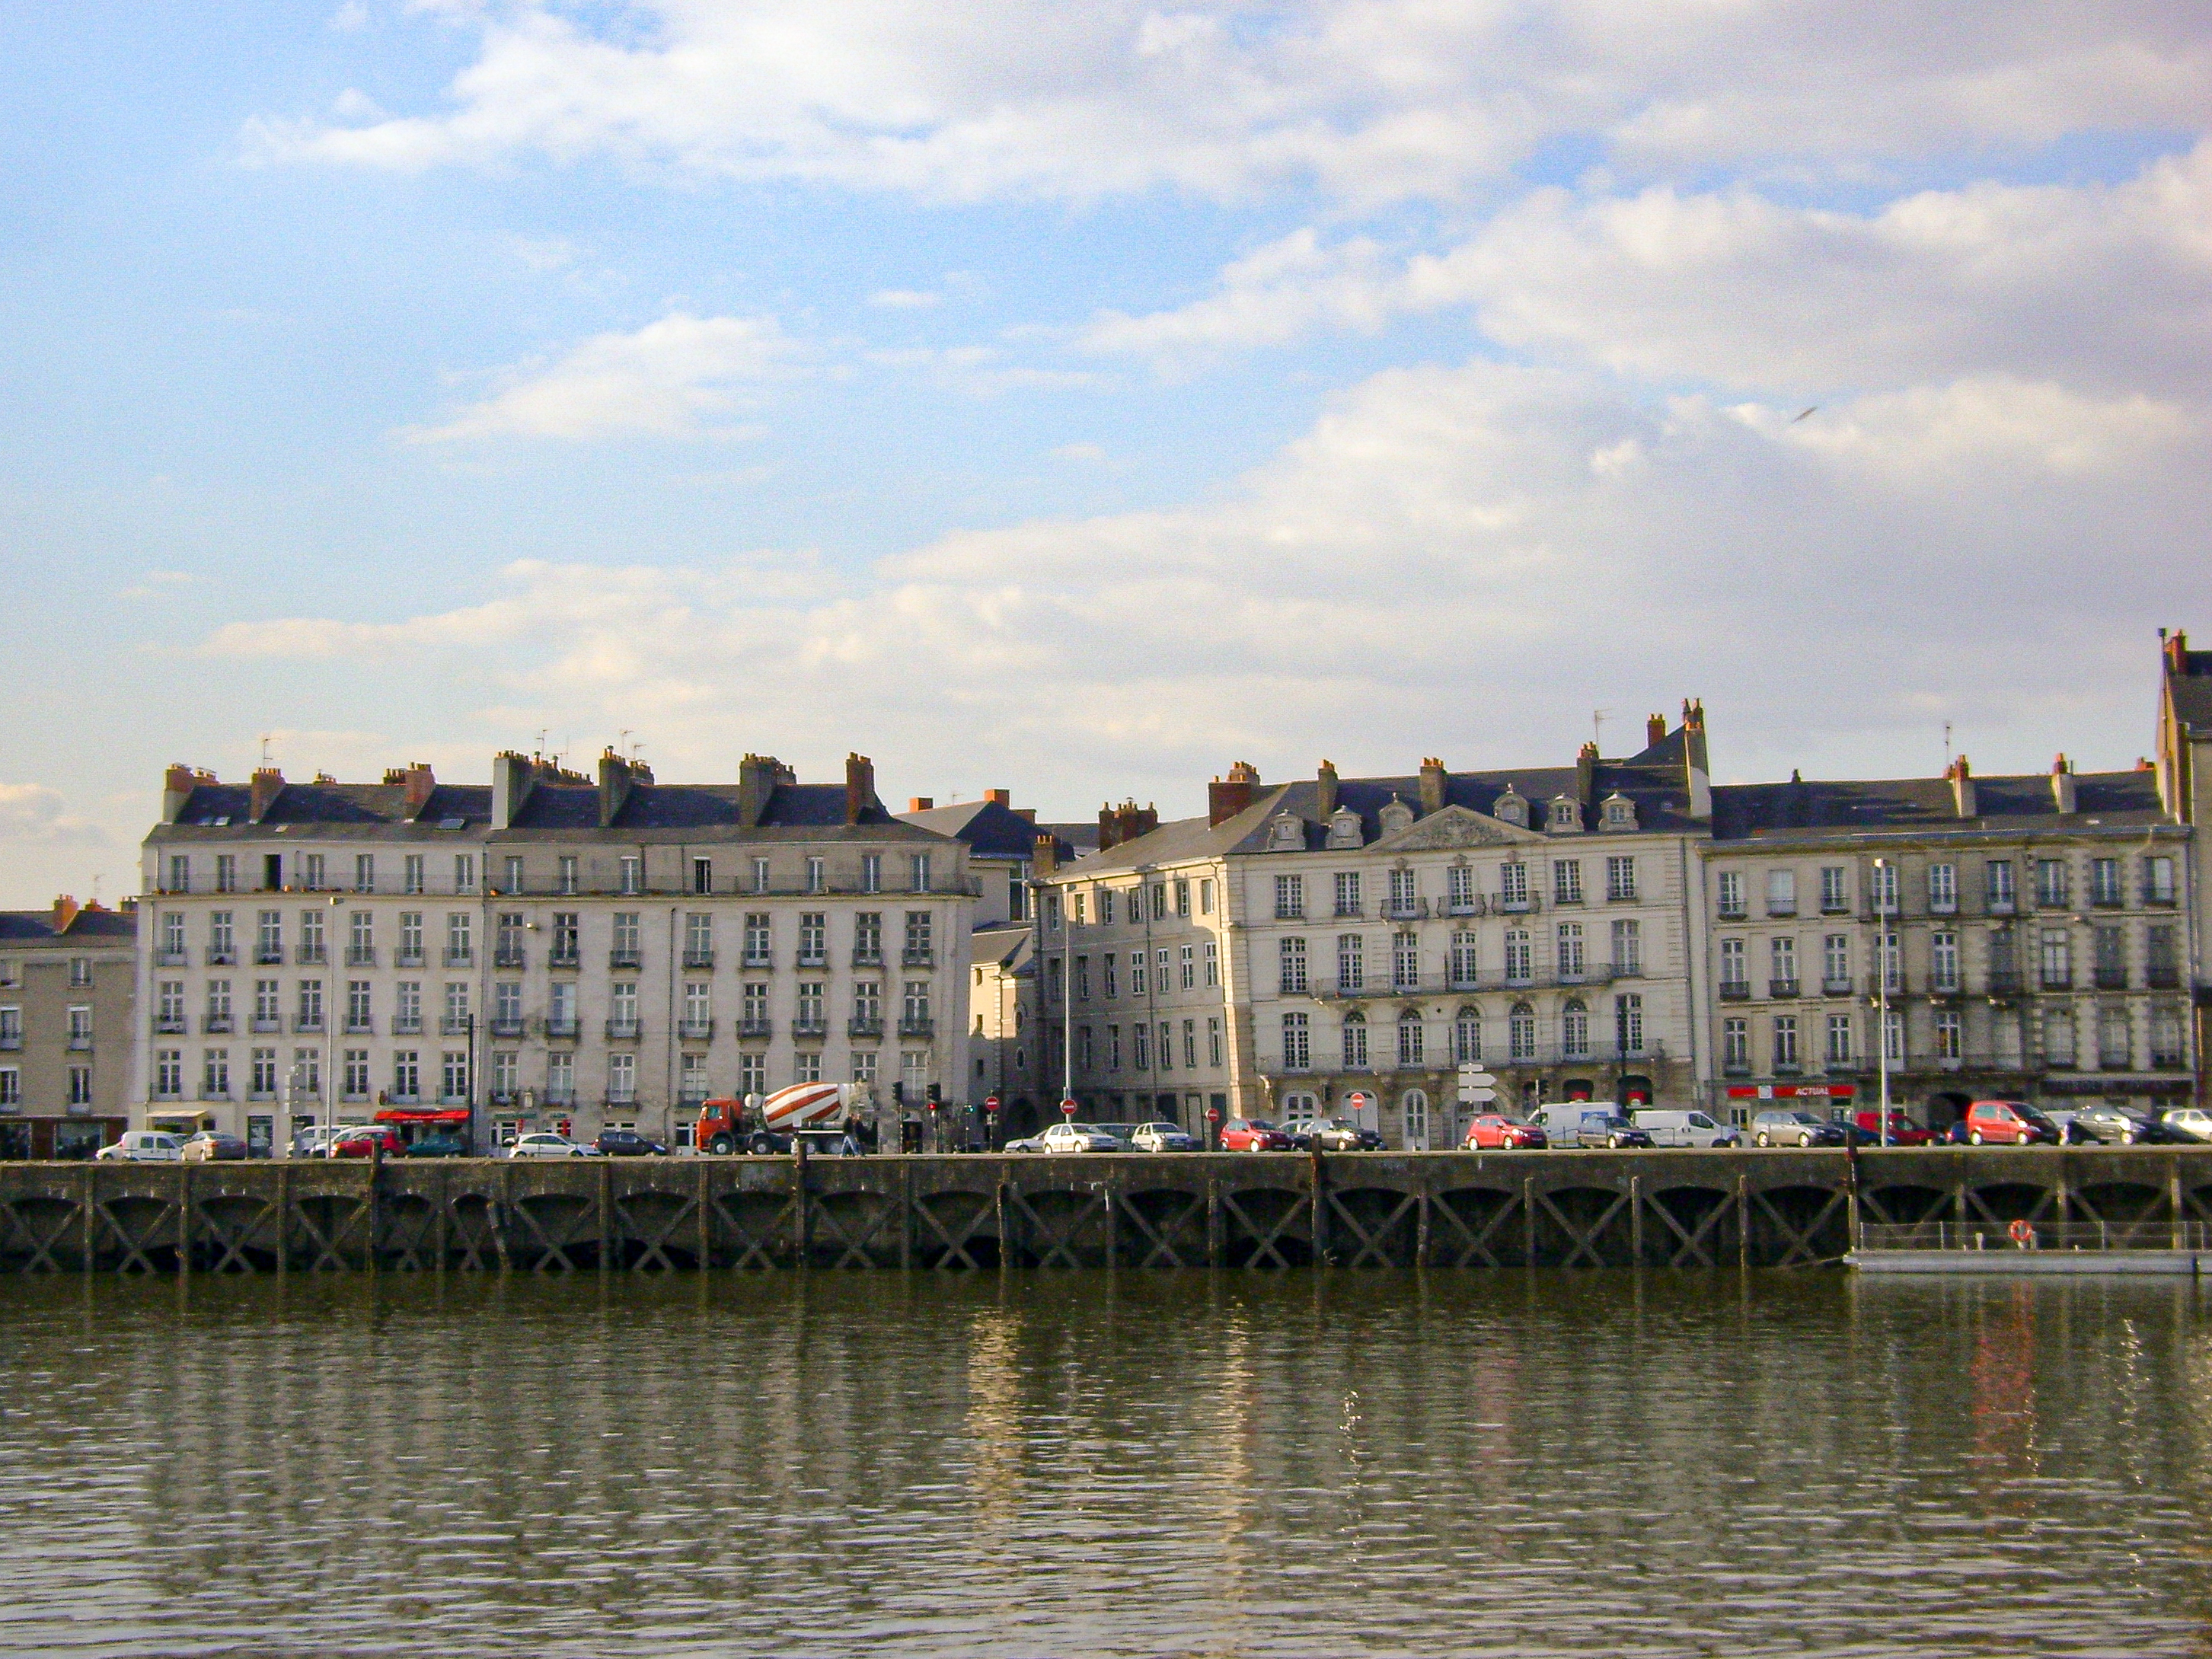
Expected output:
(1686, 1129)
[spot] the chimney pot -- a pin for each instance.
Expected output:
(1325, 785)
(1226, 796)
(999, 797)
(1655, 730)
(921, 803)
(65, 911)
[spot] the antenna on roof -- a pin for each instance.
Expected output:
(1597, 727)
(1947, 746)
(541, 742)
(266, 737)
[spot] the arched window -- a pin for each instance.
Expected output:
(1511, 807)
(1520, 1032)
(1574, 1031)
(1355, 1041)
(1409, 1038)
(1467, 1037)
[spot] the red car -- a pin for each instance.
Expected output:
(357, 1144)
(1503, 1134)
(2008, 1124)
(1253, 1135)
(1903, 1131)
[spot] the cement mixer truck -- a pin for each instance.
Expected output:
(770, 1125)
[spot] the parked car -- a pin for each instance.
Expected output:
(1125, 1135)
(142, 1146)
(2008, 1123)
(1332, 1135)
(1796, 1129)
(1903, 1131)
(545, 1143)
(2189, 1123)
(438, 1146)
(1492, 1133)
(213, 1146)
(628, 1143)
(375, 1138)
(1579, 1123)
(1253, 1135)
(1024, 1143)
(1671, 1129)
(312, 1141)
(1164, 1137)
(1080, 1138)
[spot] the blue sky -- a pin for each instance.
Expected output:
(1076, 398)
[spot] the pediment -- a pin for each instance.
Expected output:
(1456, 827)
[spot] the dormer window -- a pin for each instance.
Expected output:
(1565, 816)
(1511, 808)
(1395, 815)
(1620, 812)
(1286, 833)
(1344, 828)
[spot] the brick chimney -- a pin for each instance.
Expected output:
(921, 803)
(1125, 822)
(65, 911)
(1433, 779)
(2062, 784)
(1962, 787)
(1226, 796)
(1045, 861)
(757, 777)
(1325, 789)
(268, 784)
(1028, 812)
(616, 782)
(1654, 731)
(417, 779)
(512, 777)
(1697, 770)
(177, 786)
(999, 797)
(1586, 774)
(860, 787)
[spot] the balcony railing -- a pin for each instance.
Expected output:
(917, 1028)
(1516, 907)
(1782, 987)
(1736, 913)
(562, 1099)
(757, 959)
(2057, 981)
(264, 1027)
(862, 1025)
(698, 958)
(216, 1024)
(623, 1030)
(361, 955)
(811, 1030)
(619, 959)
(1782, 907)
(1735, 990)
(1836, 985)
(313, 955)
(559, 1025)
(508, 1027)
(172, 959)
(403, 957)
(221, 955)
(363, 1026)
(407, 1025)
(2112, 979)
(812, 959)
(268, 955)
(923, 957)
(2162, 976)
(695, 1030)
(307, 1025)
(865, 957)
(2163, 901)
(164, 1025)
(557, 957)
(510, 955)
(453, 1024)
(2001, 907)
(755, 1028)
(459, 957)
(79, 1041)
(1414, 910)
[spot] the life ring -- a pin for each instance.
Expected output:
(2021, 1234)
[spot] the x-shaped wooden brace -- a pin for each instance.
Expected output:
(327, 1246)
(2043, 1200)
(1689, 1245)
(955, 1249)
(655, 1255)
(1800, 1240)
(1062, 1251)
(556, 1258)
(754, 1251)
(135, 1245)
(470, 1230)
(410, 1246)
(1476, 1243)
(1158, 1239)
(1372, 1244)
(1266, 1246)
(1582, 1240)
(853, 1251)
(230, 1239)
(43, 1244)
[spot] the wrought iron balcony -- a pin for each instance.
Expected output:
(625, 959)
(623, 1030)
(864, 1026)
(917, 1028)
(695, 1030)
(755, 1028)
(698, 958)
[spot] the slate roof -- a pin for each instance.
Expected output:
(991, 829)
(2190, 690)
(1005, 947)
(2003, 805)
(91, 926)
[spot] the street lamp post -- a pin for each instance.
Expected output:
(1883, 871)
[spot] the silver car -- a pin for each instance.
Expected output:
(1163, 1138)
(1080, 1138)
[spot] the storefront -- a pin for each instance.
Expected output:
(419, 1123)
(1746, 1099)
(66, 1140)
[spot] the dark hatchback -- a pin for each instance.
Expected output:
(2118, 1125)
(628, 1143)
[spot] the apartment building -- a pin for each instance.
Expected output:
(66, 977)
(2184, 789)
(2025, 937)
(551, 951)
(1339, 945)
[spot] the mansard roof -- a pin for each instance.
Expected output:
(2015, 803)
(86, 927)
(992, 829)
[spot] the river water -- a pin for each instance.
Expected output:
(1033, 1464)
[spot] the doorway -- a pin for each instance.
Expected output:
(1414, 1112)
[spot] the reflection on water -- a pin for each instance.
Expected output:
(1515, 1464)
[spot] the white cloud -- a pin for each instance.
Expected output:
(1462, 561)
(1368, 100)
(2108, 286)
(677, 378)
(545, 252)
(33, 815)
(903, 299)
(1080, 452)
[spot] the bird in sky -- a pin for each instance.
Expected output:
(1801, 414)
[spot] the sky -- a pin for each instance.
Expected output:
(1076, 398)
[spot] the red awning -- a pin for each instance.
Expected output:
(423, 1114)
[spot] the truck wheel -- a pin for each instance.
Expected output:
(762, 1147)
(721, 1146)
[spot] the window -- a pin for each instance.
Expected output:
(1347, 893)
(1513, 886)
(1781, 892)
(507, 1074)
(1113, 1047)
(813, 939)
(917, 950)
(918, 872)
(1782, 968)
(633, 874)
(1942, 961)
(268, 1010)
(2167, 1051)
(1736, 976)
(1520, 1032)
(752, 1074)
(218, 1004)
(810, 1016)
(460, 952)
(916, 1015)
(512, 882)
(1083, 979)
(1409, 1038)
(2051, 883)
(864, 1067)
(1405, 897)
(1628, 947)
(1405, 961)
(1204, 896)
(1166, 1050)
(1467, 1037)
(407, 1007)
(1186, 967)
(1289, 898)
(1465, 967)
(1893, 1036)
(181, 873)
(1620, 878)
(360, 940)
(567, 872)
(1728, 885)
(1183, 896)
(455, 1022)
(269, 937)
(1785, 1043)
(169, 1074)
(354, 1074)
(1520, 956)
(567, 939)
(406, 1074)
(1566, 881)
(1943, 889)
(871, 872)
(261, 1075)
(2058, 960)
(1212, 963)
(311, 939)
(2105, 882)
(702, 875)
(465, 873)
(1839, 1040)
(1835, 889)
(759, 875)
(1297, 1053)
(411, 938)
(1836, 963)
(867, 938)
(1736, 1045)
(758, 939)
(1291, 959)
(622, 1009)
(2161, 966)
(507, 1006)
(1140, 1047)
(2158, 880)
(310, 1005)
(867, 1004)
(1628, 1023)
(172, 938)
(2059, 1036)
(1189, 1044)
(1110, 962)
(1885, 889)
(1105, 906)
(169, 1012)
(1459, 886)
(621, 1079)
(753, 1013)
(226, 872)
(1574, 1031)
(1947, 1033)
(411, 877)
(1570, 959)
(2115, 1040)
(1137, 981)
(1017, 899)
